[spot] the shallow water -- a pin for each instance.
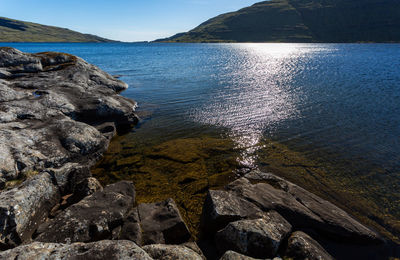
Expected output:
(326, 116)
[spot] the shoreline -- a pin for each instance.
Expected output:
(62, 181)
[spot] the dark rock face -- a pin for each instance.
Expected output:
(259, 237)
(302, 208)
(23, 208)
(172, 252)
(91, 219)
(131, 229)
(302, 246)
(105, 249)
(222, 207)
(83, 189)
(161, 223)
(232, 255)
(52, 110)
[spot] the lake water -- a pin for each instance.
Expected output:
(334, 109)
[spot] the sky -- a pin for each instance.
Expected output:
(124, 20)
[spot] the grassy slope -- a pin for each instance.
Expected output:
(303, 21)
(19, 31)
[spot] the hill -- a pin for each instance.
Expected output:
(20, 31)
(302, 21)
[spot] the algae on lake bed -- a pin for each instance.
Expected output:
(182, 169)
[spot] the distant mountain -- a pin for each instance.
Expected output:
(303, 21)
(19, 31)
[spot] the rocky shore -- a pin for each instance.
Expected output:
(57, 116)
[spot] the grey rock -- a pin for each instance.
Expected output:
(24, 208)
(52, 107)
(232, 255)
(91, 219)
(302, 208)
(161, 223)
(302, 246)
(69, 176)
(171, 252)
(256, 237)
(105, 249)
(222, 207)
(83, 189)
(131, 229)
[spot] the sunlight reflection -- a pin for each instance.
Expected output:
(257, 93)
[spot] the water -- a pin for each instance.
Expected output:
(338, 105)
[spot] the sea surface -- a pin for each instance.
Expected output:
(334, 106)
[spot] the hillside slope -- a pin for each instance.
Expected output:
(20, 31)
(303, 21)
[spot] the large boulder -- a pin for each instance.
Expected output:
(124, 250)
(259, 237)
(56, 108)
(301, 208)
(222, 207)
(161, 223)
(302, 246)
(24, 208)
(171, 252)
(91, 219)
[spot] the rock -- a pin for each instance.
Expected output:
(55, 109)
(69, 176)
(83, 189)
(2, 183)
(222, 207)
(161, 223)
(125, 250)
(302, 208)
(24, 208)
(232, 255)
(171, 252)
(131, 229)
(302, 246)
(91, 219)
(256, 237)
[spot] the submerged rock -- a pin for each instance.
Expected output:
(302, 246)
(256, 237)
(91, 219)
(105, 249)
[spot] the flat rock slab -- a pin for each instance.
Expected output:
(301, 208)
(53, 107)
(101, 250)
(161, 223)
(302, 246)
(172, 252)
(259, 238)
(91, 219)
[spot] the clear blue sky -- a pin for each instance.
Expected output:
(125, 20)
